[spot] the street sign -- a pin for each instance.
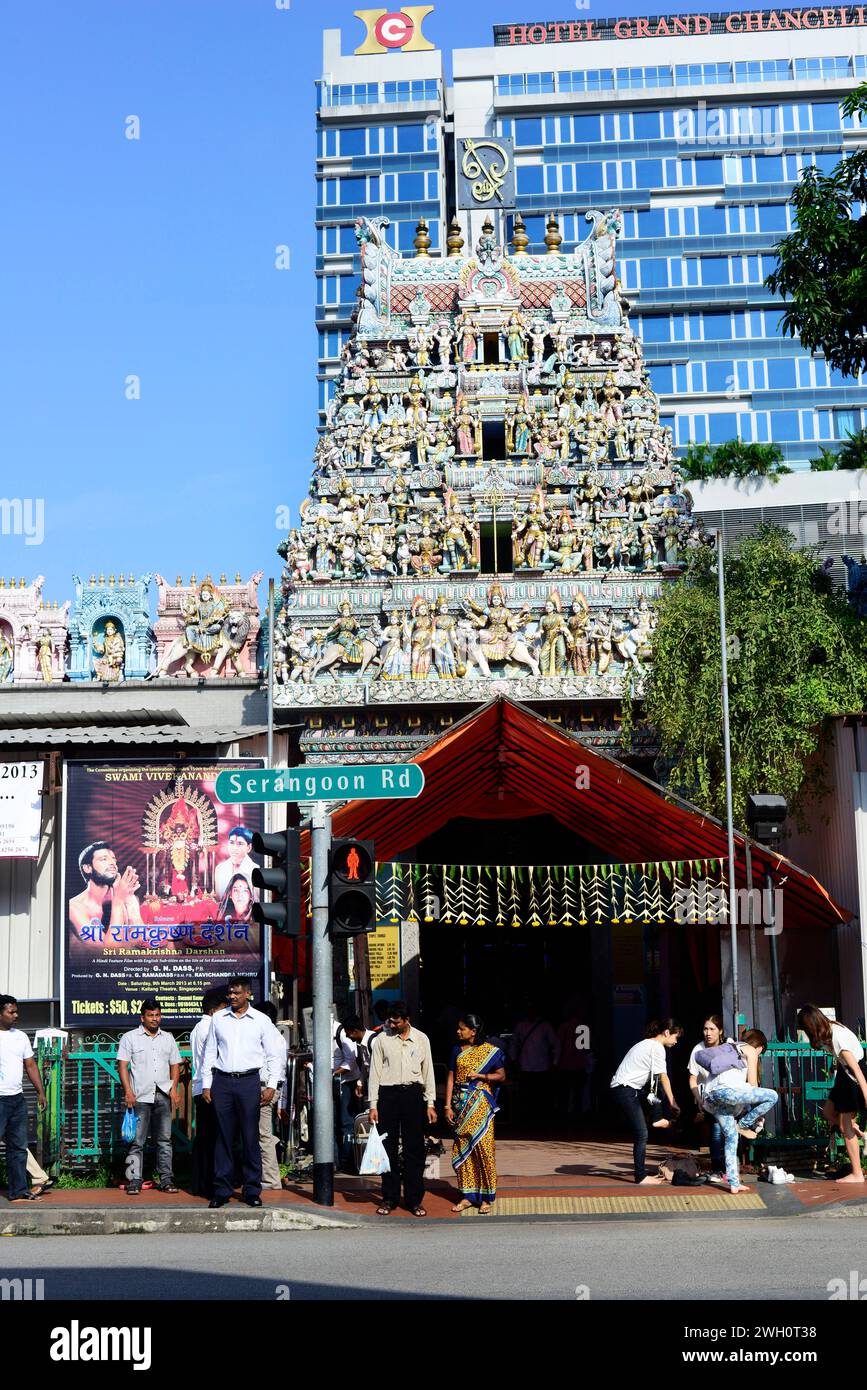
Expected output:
(374, 782)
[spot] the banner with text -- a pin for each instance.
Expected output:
(157, 892)
(20, 809)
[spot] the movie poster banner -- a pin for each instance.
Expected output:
(157, 891)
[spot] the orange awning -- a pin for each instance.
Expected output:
(505, 761)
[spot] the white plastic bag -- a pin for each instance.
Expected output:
(374, 1160)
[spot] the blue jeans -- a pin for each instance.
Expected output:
(13, 1127)
(716, 1144)
(153, 1118)
(732, 1108)
(344, 1122)
(629, 1101)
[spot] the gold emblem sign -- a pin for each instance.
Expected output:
(394, 29)
(486, 165)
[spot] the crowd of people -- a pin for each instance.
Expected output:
(239, 1080)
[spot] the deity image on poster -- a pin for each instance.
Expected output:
(158, 889)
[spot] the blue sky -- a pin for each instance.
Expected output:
(154, 258)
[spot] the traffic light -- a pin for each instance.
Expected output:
(766, 816)
(283, 881)
(352, 888)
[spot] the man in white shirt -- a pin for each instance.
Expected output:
(347, 1073)
(238, 862)
(16, 1057)
(205, 1136)
(240, 1041)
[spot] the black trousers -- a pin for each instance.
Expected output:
(403, 1116)
(236, 1110)
(204, 1145)
(629, 1102)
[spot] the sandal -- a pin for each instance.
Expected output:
(462, 1206)
(167, 1187)
(485, 1209)
(419, 1211)
(384, 1210)
(25, 1197)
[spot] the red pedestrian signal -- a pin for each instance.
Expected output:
(352, 888)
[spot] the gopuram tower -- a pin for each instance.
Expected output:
(493, 508)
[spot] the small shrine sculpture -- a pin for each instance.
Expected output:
(110, 634)
(204, 629)
(33, 634)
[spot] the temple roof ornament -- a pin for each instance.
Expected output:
(494, 504)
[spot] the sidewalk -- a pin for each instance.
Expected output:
(554, 1180)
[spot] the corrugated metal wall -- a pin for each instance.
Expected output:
(27, 916)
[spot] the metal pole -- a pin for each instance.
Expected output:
(771, 933)
(270, 672)
(728, 771)
(754, 1003)
(323, 989)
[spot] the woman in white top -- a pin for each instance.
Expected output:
(634, 1078)
(849, 1093)
(713, 1033)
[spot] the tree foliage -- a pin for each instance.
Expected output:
(852, 454)
(822, 265)
(734, 459)
(797, 656)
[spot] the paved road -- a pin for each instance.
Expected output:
(773, 1259)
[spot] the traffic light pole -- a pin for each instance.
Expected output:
(323, 990)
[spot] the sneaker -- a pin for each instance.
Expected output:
(717, 1180)
(133, 1189)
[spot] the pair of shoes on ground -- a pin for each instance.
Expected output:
(386, 1210)
(134, 1188)
(217, 1202)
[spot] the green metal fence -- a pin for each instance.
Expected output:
(80, 1127)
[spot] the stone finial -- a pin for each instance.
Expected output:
(520, 240)
(421, 240)
(111, 580)
(102, 579)
(237, 578)
(178, 581)
(454, 240)
(222, 579)
(92, 580)
(552, 234)
(193, 581)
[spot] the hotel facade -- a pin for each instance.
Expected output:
(696, 127)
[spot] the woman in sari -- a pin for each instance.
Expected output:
(475, 1072)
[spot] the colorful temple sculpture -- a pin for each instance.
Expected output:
(205, 629)
(110, 634)
(33, 634)
(494, 506)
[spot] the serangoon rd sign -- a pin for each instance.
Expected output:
(684, 25)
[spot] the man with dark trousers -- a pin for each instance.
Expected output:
(402, 1096)
(241, 1041)
(206, 1125)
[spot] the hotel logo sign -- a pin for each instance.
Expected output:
(669, 26)
(388, 29)
(486, 173)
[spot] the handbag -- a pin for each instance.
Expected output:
(129, 1127)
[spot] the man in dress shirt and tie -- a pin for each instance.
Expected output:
(240, 1042)
(402, 1096)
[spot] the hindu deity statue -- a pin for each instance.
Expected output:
(516, 338)
(578, 624)
(343, 643)
(499, 635)
(394, 648)
(203, 613)
(445, 642)
(518, 429)
(469, 431)
(465, 348)
(421, 639)
(426, 557)
(44, 651)
(109, 653)
(537, 343)
(7, 657)
(445, 337)
(460, 537)
(530, 534)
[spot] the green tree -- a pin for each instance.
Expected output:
(852, 454)
(797, 656)
(822, 265)
(734, 459)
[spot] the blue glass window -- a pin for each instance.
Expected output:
(714, 270)
(352, 140)
(651, 222)
(711, 221)
(723, 428)
(539, 82)
(410, 139)
(529, 178)
(785, 425)
(645, 125)
(585, 128)
(826, 115)
(827, 160)
(654, 328)
(708, 171)
(648, 173)
(528, 132)
(720, 376)
(772, 217)
(661, 379)
(654, 272)
(717, 326)
(769, 168)
(588, 176)
(410, 188)
(353, 190)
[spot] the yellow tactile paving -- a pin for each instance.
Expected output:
(637, 1202)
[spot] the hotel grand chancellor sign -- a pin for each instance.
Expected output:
(689, 25)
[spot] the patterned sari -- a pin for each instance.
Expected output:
(475, 1105)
